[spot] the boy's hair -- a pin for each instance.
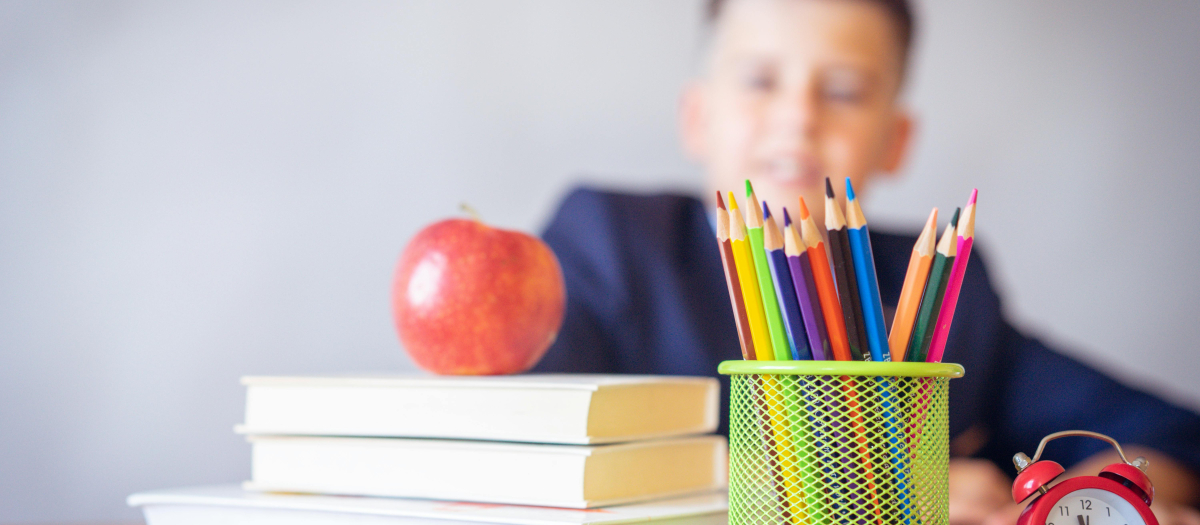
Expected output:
(898, 10)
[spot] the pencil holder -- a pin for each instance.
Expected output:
(838, 442)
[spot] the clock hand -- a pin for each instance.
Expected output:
(1081, 522)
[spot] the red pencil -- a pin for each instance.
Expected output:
(835, 324)
(731, 280)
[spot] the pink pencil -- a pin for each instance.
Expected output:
(966, 237)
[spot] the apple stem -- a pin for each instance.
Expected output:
(470, 211)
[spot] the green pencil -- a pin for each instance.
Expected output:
(754, 226)
(935, 289)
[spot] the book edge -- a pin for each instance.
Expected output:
(233, 496)
(587, 382)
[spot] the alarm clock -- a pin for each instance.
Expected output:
(1120, 495)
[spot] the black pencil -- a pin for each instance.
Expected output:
(843, 269)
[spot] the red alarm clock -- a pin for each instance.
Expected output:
(1120, 495)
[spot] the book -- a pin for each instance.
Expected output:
(229, 504)
(572, 476)
(555, 408)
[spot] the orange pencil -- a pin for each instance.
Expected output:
(914, 284)
(835, 324)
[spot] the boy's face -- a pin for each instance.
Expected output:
(796, 91)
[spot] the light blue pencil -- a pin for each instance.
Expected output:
(864, 272)
(868, 290)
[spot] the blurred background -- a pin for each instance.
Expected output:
(195, 191)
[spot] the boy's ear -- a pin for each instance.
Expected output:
(901, 139)
(693, 121)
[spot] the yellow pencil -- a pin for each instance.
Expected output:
(764, 351)
(748, 277)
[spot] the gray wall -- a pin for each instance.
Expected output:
(190, 192)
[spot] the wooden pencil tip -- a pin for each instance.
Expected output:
(766, 211)
(803, 210)
(974, 193)
(720, 201)
(749, 189)
(732, 202)
(954, 219)
(932, 219)
(828, 188)
(787, 219)
(849, 190)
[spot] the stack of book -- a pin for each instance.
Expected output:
(502, 444)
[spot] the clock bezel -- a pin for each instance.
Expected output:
(1039, 509)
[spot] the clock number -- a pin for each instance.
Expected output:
(1108, 510)
(1085, 504)
(1063, 510)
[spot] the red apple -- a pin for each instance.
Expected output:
(470, 299)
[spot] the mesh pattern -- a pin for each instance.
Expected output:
(808, 449)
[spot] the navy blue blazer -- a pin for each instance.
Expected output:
(646, 294)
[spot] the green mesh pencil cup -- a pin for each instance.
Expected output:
(815, 442)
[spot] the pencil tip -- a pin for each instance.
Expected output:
(720, 201)
(803, 210)
(732, 202)
(954, 219)
(974, 193)
(787, 219)
(828, 188)
(766, 211)
(849, 190)
(749, 189)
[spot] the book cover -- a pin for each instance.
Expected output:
(550, 408)
(573, 476)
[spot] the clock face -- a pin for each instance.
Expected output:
(1093, 507)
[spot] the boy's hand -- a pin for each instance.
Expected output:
(1172, 514)
(978, 489)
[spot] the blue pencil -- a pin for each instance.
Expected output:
(868, 291)
(782, 277)
(864, 272)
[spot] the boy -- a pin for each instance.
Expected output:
(795, 91)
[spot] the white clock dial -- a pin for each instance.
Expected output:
(1093, 507)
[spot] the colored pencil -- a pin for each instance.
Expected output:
(914, 283)
(783, 427)
(806, 439)
(835, 325)
(806, 291)
(781, 276)
(744, 263)
(791, 431)
(773, 387)
(754, 227)
(868, 291)
(935, 290)
(843, 268)
(966, 238)
(731, 281)
(864, 272)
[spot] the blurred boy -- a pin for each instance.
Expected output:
(794, 91)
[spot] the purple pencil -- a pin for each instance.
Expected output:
(806, 290)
